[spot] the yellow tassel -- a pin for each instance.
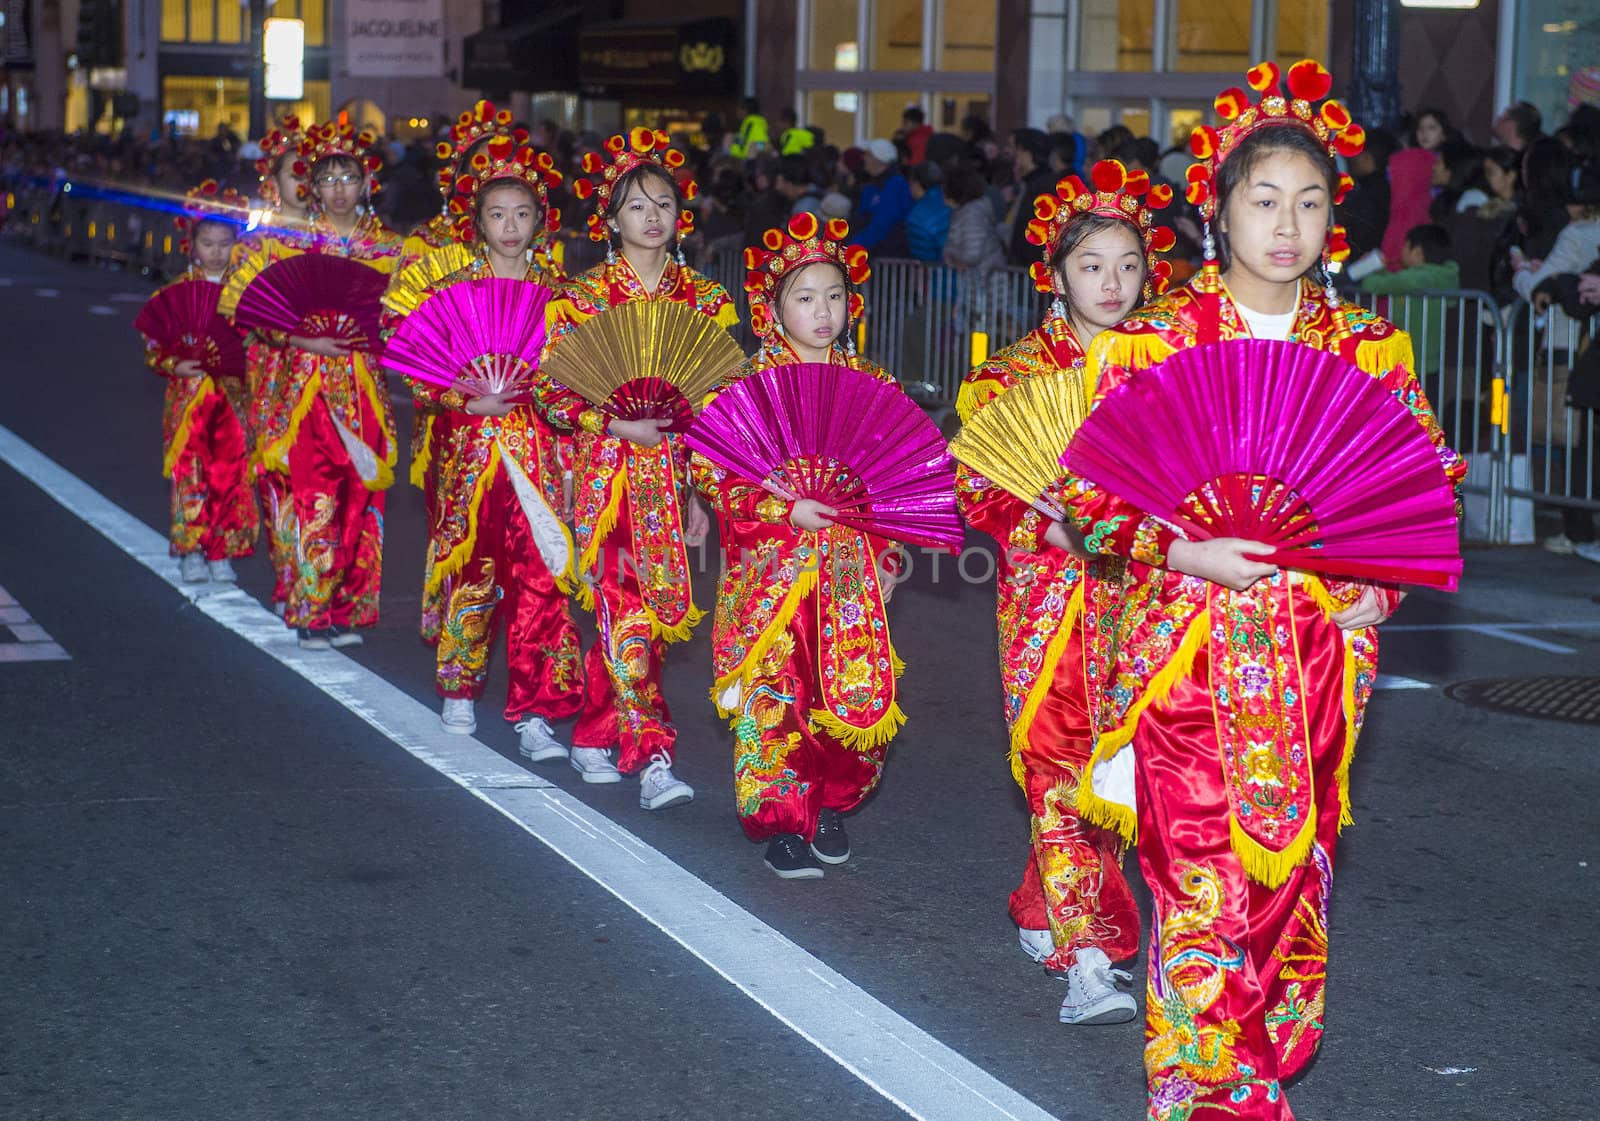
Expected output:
(1265, 866)
(180, 438)
(727, 316)
(897, 664)
(1378, 357)
(369, 385)
(424, 456)
(682, 631)
(603, 525)
(860, 739)
(1111, 815)
(276, 454)
(562, 313)
(1113, 348)
(463, 549)
(384, 479)
(1342, 776)
(972, 396)
(1041, 687)
(805, 583)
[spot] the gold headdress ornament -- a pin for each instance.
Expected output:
(210, 202)
(333, 140)
(1116, 193)
(281, 141)
(1305, 106)
(503, 160)
(480, 122)
(639, 148)
(806, 240)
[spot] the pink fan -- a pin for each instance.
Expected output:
(483, 335)
(842, 437)
(316, 295)
(183, 321)
(1277, 442)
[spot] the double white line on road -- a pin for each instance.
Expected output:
(886, 1051)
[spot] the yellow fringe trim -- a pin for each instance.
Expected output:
(1382, 355)
(559, 313)
(180, 438)
(1113, 348)
(727, 316)
(423, 456)
(1041, 686)
(682, 632)
(276, 454)
(805, 583)
(1091, 806)
(1342, 776)
(458, 556)
(971, 397)
(369, 384)
(603, 525)
(1265, 866)
(860, 739)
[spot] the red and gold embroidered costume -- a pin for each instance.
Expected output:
(1056, 612)
(628, 499)
(803, 664)
(500, 551)
(331, 431)
(266, 359)
(1234, 715)
(204, 447)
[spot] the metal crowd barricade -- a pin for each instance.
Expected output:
(1557, 441)
(78, 222)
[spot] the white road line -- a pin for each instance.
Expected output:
(6, 282)
(33, 643)
(127, 298)
(47, 293)
(1394, 681)
(1511, 635)
(889, 1053)
(101, 309)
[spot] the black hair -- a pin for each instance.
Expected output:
(751, 105)
(1255, 148)
(1437, 114)
(1034, 142)
(978, 126)
(1141, 151)
(1079, 232)
(483, 193)
(1434, 241)
(927, 175)
(213, 220)
(1506, 159)
(795, 169)
(963, 186)
(914, 114)
(635, 178)
(335, 161)
(1529, 121)
(787, 113)
(1381, 144)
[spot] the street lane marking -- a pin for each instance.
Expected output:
(127, 298)
(1509, 632)
(1395, 681)
(33, 643)
(896, 1058)
(101, 309)
(47, 293)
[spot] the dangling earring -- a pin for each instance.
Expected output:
(611, 252)
(1208, 245)
(1058, 309)
(677, 252)
(1328, 289)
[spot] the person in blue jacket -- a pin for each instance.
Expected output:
(885, 202)
(928, 223)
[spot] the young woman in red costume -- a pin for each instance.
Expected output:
(1239, 688)
(337, 443)
(1074, 912)
(632, 508)
(286, 191)
(206, 454)
(501, 551)
(811, 723)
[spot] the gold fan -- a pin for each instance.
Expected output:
(648, 359)
(415, 283)
(1016, 441)
(249, 266)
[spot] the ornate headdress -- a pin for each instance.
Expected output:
(281, 141)
(639, 148)
(332, 140)
(503, 160)
(480, 122)
(1117, 193)
(1330, 123)
(210, 202)
(806, 240)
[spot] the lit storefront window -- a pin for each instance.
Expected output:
(897, 36)
(1302, 30)
(966, 41)
(1211, 36)
(833, 35)
(1117, 35)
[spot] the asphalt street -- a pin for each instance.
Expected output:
(226, 895)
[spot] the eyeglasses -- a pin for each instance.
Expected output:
(349, 178)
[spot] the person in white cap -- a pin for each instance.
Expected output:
(885, 202)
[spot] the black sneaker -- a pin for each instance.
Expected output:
(788, 857)
(830, 845)
(312, 640)
(339, 637)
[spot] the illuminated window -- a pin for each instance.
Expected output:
(174, 29)
(1117, 35)
(315, 13)
(833, 35)
(967, 42)
(835, 112)
(897, 36)
(202, 21)
(1212, 35)
(1302, 30)
(231, 26)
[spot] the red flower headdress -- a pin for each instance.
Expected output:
(1308, 83)
(640, 147)
(339, 141)
(504, 159)
(1117, 193)
(281, 141)
(483, 120)
(210, 202)
(804, 241)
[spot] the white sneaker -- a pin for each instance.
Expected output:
(1037, 944)
(1092, 993)
(193, 568)
(538, 742)
(459, 716)
(222, 571)
(1561, 545)
(659, 788)
(1588, 550)
(594, 764)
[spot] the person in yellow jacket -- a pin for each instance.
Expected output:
(793, 140)
(752, 138)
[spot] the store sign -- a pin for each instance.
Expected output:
(283, 49)
(394, 38)
(691, 57)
